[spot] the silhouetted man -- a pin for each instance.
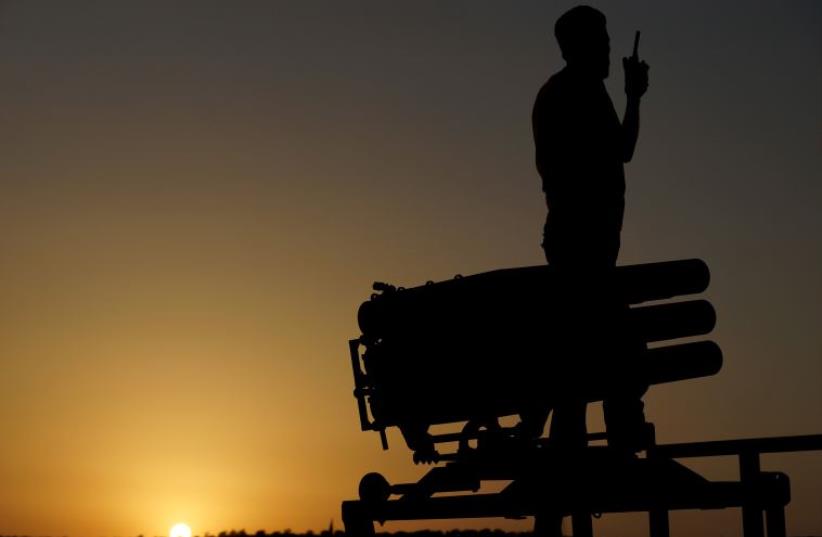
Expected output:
(580, 150)
(581, 145)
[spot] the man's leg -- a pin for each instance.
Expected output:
(626, 425)
(532, 423)
(568, 427)
(623, 408)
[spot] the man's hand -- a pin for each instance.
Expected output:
(636, 77)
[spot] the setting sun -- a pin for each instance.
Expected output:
(180, 530)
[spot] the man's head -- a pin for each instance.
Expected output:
(583, 40)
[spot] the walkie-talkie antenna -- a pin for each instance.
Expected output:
(636, 46)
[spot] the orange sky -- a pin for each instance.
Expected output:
(195, 198)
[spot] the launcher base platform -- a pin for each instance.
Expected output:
(546, 483)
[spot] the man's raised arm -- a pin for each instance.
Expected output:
(636, 84)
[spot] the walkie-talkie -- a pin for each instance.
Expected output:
(635, 55)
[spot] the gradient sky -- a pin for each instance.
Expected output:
(195, 197)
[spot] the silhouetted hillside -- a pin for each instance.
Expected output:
(340, 533)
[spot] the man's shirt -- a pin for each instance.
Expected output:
(579, 148)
